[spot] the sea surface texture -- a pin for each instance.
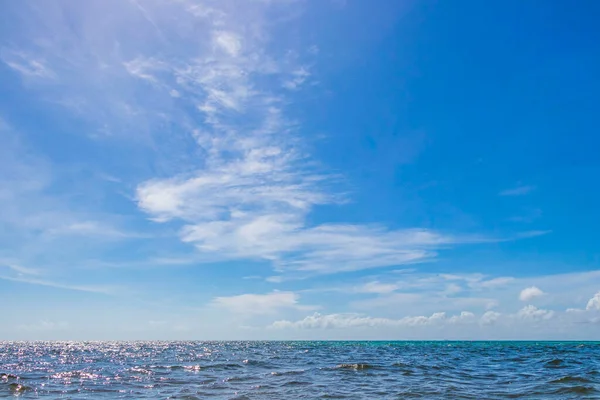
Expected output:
(300, 370)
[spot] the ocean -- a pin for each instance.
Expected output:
(300, 370)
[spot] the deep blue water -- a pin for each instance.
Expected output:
(300, 370)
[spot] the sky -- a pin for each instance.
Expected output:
(299, 169)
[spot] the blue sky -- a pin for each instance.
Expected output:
(299, 169)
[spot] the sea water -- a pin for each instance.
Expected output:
(300, 370)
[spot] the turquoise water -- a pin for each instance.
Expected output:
(300, 370)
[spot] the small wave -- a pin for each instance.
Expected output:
(295, 383)
(169, 367)
(517, 359)
(18, 388)
(191, 367)
(282, 373)
(401, 364)
(8, 376)
(237, 378)
(223, 366)
(140, 370)
(255, 363)
(175, 367)
(185, 367)
(355, 366)
(74, 374)
(579, 390)
(571, 379)
(555, 363)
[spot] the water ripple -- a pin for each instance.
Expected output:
(292, 370)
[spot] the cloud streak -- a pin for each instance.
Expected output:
(253, 304)
(233, 170)
(256, 188)
(58, 285)
(27, 65)
(252, 196)
(518, 191)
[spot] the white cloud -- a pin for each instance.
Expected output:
(594, 302)
(574, 310)
(424, 300)
(500, 325)
(376, 287)
(26, 64)
(489, 317)
(517, 191)
(247, 187)
(344, 321)
(464, 317)
(274, 279)
(20, 269)
(40, 220)
(492, 283)
(256, 207)
(229, 42)
(452, 289)
(143, 68)
(92, 228)
(252, 195)
(260, 303)
(299, 76)
(59, 285)
(533, 313)
(530, 293)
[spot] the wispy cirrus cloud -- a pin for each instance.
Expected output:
(252, 304)
(50, 223)
(518, 190)
(20, 270)
(209, 101)
(253, 194)
(93, 229)
(28, 65)
(101, 289)
(376, 287)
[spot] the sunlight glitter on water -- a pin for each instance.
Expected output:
(291, 370)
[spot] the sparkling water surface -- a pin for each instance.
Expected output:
(300, 370)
